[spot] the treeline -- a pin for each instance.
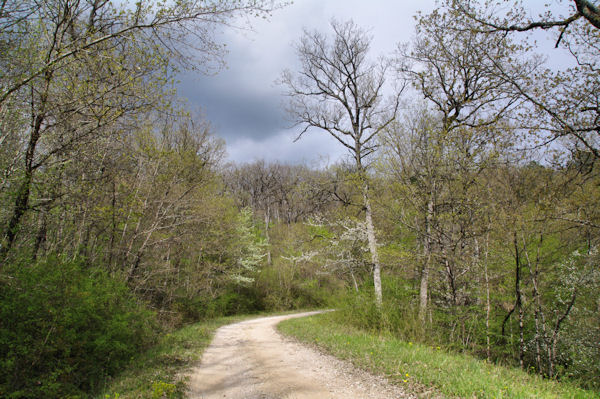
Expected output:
(120, 219)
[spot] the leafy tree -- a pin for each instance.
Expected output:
(439, 156)
(563, 99)
(79, 67)
(65, 325)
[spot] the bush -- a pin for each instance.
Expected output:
(397, 315)
(64, 327)
(232, 301)
(281, 287)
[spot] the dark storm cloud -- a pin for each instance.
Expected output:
(242, 102)
(233, 110)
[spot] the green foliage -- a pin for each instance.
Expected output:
(160, 371)
(396, 315)
(232, 300)
(64, 327)
(286, 286)
(430, 371)
(162, 390)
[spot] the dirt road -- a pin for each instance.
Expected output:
(251, 360)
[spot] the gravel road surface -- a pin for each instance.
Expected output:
(251, 360)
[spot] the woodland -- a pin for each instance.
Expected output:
(465, 214)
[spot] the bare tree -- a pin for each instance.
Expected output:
(77, 28)
(340, 91)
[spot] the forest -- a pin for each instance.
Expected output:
(465, 214)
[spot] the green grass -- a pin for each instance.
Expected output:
(160, 372)
(429, 372)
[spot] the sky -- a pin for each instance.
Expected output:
(246, 107)
(244, 104)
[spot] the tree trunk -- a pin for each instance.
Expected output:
(519, 301)
(113, 233)
(354, 281)
(267, 221)
(451, 278)
(24, 191)
(533, 273)
(373, 247)
(556, 332)
(487, 296)
(423, 289)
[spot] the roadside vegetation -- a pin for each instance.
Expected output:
(160, 371)
(428, 371)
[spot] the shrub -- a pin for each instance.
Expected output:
(65, 326)
(397, 314)
(231, 301)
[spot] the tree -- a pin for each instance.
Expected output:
(71, 70)
(579, 9)
(82, 27)
(438, 156)
(340, 91)
(563, 99)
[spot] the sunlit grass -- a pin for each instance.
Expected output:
(427, 371)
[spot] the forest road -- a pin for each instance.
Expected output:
(251, 360)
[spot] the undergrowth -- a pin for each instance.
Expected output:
(160, 371)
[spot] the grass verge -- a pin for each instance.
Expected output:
(426, 371)
(160, 372)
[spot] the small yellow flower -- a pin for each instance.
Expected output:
(407, 374)
(405, 380)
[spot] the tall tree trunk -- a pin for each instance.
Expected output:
(519, 301)
(373, 246)
(113, 232)
(533, 273)
(24, 190)
(23, 193)
(556, 332)
(423, 289)
(267, 222)
(521, 337)
(451, 278)
(487, 296)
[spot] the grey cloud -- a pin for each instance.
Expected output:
(233, 110)
(242, 102)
